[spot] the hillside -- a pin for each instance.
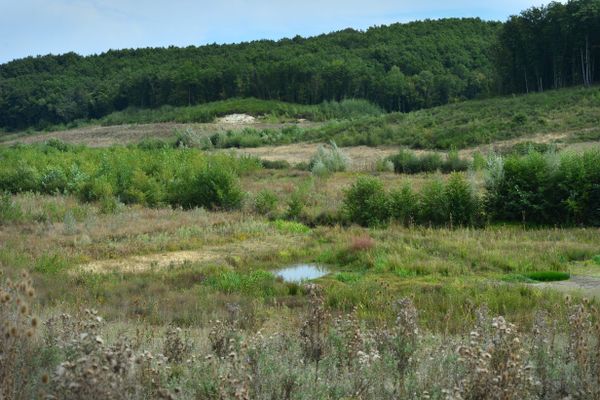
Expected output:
(399, 67)
(566, 115)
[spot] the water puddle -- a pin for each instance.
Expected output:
(301, 272)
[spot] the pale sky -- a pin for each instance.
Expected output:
(37, 27)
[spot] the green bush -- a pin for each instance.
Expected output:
(404, 205)
(461, 201)
(10, 211)
(407, 162)
(214, 188)
(453, 163)
(265, 202)
(189, 138)
(296, 204)
(290, 226)
(54, 181)
(275, 164)
(154, 177)
(366, 202)
(545, 188)
(433, 209)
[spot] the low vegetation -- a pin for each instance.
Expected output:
(569, 115)
(534, 189)
(407, 162)
(154, 177)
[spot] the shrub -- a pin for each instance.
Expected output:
(296, 203)
(521, 189)
(545, 188)
(19, 178)
(366, 202)
(265, 202)
(384, 165)
(216, 188)
(479, 161)
(189, 138)
(430, 162)
(404, 205)
(461, 200)
(328, 160)
(433, 209)
(154, 144)
(407, 162)
(58, 144)
(54, 181)
(290, 226)
(275, 164)
(10, 211)
(454, 163)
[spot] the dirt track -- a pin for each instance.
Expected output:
(586, 285)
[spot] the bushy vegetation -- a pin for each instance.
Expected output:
(407, 162)
(186, 178)
(269, 109)
(455, 202)
(545, 189)
(366, 202)
(81, 355)
(471, 123)
(328, 160)
(266, 202)
(452, 126)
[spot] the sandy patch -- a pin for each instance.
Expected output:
(237, 119)
(211, 254)
(362, 158)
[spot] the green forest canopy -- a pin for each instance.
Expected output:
(400, 67)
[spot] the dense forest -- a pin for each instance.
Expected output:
(401, 67)
(550, 47)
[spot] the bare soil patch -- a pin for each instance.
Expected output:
(362, 157)
(587, 285)
(159, 261)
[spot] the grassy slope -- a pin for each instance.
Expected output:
(569, 115)
(569, 112)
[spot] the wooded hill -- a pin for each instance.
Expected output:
(401, 67)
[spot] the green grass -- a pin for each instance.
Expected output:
(269, 110)
(290, 226)
(548, 276)
(475, 122)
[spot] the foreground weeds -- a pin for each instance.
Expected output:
(318, 354)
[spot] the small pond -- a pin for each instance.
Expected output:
(301, 272)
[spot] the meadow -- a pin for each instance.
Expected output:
(152, 269)
(151, 272)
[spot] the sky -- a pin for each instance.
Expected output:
(38, 27)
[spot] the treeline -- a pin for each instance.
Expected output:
(550, 47)
(399, 67)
